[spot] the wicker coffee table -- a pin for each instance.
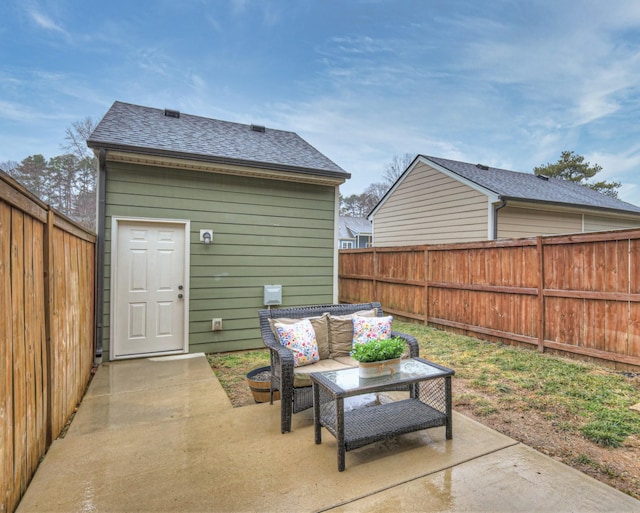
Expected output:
(428, 404)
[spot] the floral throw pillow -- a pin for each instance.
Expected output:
(366, 329)
(301, 339)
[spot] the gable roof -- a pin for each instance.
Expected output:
(527, 187)
(351, 227)
(149, 131)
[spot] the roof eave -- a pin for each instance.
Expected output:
(569, 206)
(212, 159)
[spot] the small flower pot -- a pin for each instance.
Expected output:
(381, 368)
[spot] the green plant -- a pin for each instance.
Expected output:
(378, 350)
(606, 432)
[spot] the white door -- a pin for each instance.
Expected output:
(149, 288)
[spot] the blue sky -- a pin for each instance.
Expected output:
(507, 83)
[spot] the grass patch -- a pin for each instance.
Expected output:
(482, 408)
(583, 459)
(231, 368)
(583, 397)
(610, 428)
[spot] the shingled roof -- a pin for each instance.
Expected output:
(149, 131)
(513, 185)
(350, 227)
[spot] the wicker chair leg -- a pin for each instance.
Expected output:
(286, 412)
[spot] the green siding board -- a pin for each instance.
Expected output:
(196, 287)
(310, 231)
(240, 292)
(213, 336)
(225, 293)
(275, 272)
(262, 256)
(220, 249)
(278, 206)
(265, 261)
(220, 208)
(222, 292)
(259, 222)
(225, 313)
(223, 347)
(198, 181)
(230, 325)
(208, 283)
(237, 190)
(264, 225)
(252, 305)
(194, 197)
(265, 232)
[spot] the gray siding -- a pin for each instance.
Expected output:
(429, 207)
(265, 232)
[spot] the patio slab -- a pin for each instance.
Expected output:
(517, 479)
(161, 435)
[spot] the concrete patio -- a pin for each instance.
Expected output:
(160, 435)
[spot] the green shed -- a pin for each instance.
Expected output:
(200, 223)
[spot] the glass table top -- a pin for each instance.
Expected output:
(348, 379)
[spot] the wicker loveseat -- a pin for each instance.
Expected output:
(293, 382)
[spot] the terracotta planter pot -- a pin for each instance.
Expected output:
(375, 369)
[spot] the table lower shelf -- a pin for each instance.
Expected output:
(370, 424)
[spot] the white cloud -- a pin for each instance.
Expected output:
(15, 111)
(615, 166)
(621, 167)
(564, 54)
(44, 21)
(154, 63)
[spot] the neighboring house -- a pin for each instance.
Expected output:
(354, 232)
(196, 216)
(440, 201)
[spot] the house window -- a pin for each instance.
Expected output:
(346, 244)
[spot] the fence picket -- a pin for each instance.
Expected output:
(7, 499)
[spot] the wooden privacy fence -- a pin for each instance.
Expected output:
(579, 294)
(46, 330)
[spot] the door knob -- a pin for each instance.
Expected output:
(179, 296)
(180, 287)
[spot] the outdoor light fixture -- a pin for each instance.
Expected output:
(206, 236)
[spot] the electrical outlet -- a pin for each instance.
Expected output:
(216, 324)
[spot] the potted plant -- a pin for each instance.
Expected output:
(379, 357)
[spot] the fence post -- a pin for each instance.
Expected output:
(541, 302)
(48, 303)
(426, 285)
(375, 274)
